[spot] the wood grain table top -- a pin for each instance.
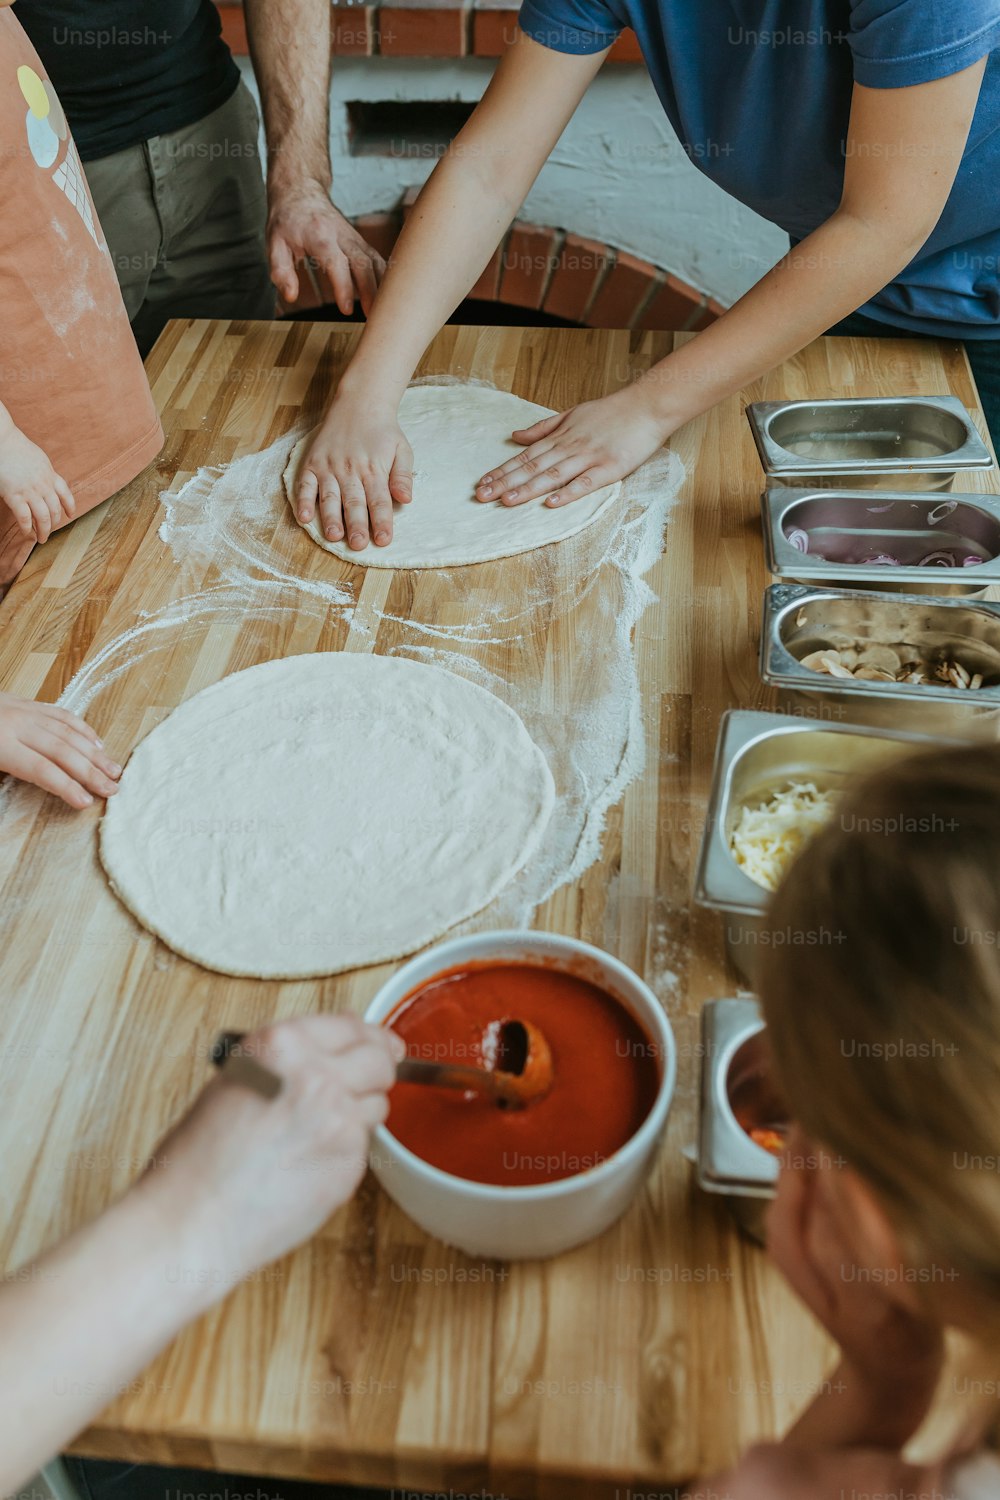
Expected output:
(375, 1354)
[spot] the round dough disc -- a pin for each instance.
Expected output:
(457, 432)
(323, 812)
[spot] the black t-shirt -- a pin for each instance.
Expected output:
(126, 70)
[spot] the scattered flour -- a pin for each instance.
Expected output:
(588, 724)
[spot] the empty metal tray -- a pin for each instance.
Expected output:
(873, 440)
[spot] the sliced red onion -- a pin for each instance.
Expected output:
(882, 560)
(799, 539)
(940, 512)
(971, 562)
(938, 560)
(876, 510)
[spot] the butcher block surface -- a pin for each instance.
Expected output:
(375, 1354)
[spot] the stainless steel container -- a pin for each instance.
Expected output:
(873, 440)
(756, 754)
(798, 621)
(736, 1094)
(837, 536)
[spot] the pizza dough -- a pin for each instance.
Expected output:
(457, 433)
(323, 812)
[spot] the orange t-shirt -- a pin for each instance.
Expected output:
(70, 373)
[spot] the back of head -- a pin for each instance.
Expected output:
(881, 989)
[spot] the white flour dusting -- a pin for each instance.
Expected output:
(587, 719)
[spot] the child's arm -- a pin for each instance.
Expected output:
(240, 1182)
(54, 750)
(360, 462)
(903, 152)
(38, 498)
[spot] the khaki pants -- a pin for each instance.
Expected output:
(184, 217)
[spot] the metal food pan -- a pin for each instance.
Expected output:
(798, 621)
(757, 753)
(837, 536)
(737, 1092)
(874, 440)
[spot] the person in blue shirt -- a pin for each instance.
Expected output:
(868, 129)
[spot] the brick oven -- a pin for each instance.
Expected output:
(620, 230)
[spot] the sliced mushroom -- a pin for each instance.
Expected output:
(883, 657)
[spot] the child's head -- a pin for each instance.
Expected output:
(881, 989)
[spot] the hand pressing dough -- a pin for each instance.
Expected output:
(457, 433)
(323, 812)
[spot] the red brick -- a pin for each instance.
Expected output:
(234, 27)
(528, 262)
(353, 30)
(579, 270)
(422, 32)
(487, 288)
(626, 289)
(674, 307)
(626, 48)
(493, 31)
(380, 230)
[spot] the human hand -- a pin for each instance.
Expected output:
(302, 224)
(358, 464)
(255, 1177)
(38, 498)
(54, 750)
(776, 1471)
(575, 452)
(887, 1345)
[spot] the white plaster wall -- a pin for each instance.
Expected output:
(618, 173)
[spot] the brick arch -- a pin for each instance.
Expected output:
(543, 268)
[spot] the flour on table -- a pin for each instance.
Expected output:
(322, 812)
(457, 433)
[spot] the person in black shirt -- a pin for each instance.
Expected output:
(168, 134)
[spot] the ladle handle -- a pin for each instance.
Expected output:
(446, 1076)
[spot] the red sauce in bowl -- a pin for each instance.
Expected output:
(605, 1075)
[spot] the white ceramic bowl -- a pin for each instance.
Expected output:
(524, 1223)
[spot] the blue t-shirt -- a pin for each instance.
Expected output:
(759, 92)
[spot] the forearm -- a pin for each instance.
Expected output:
(290, 44)
(850, 1412)
(82, 1321)
(829, 275)
(462, 208)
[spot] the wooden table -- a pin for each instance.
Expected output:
(374, 1354)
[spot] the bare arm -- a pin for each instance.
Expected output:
(80, 1323)
(903, 152)
(360, 462)
(290, 43)
(234, 1186)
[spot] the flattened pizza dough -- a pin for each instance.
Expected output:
(457, 433)
(322, 812)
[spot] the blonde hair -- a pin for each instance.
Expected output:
(880, 984)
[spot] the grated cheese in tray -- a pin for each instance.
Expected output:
(767, 837)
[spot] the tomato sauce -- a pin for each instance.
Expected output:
(605, 1075)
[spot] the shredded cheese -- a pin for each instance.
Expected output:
(767, 837)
